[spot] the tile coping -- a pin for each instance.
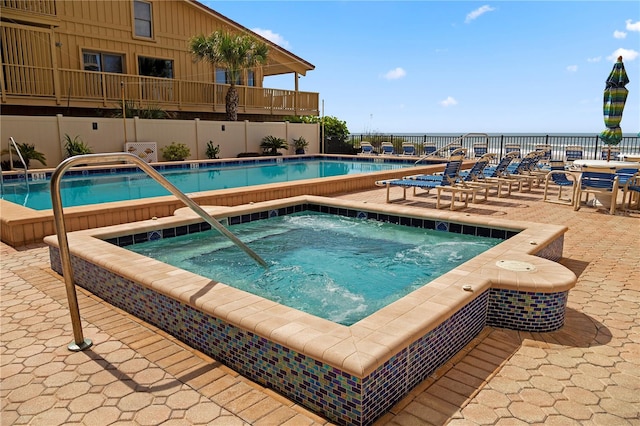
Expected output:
(362, 347)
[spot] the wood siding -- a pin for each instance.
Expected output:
(44, 64)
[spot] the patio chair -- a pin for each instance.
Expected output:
(480, 149)
(512, 147)
(562, 178)
(426, 182)
(611, 153)
(366, 148)
(572, 153)
(408, 148)
(632, 190)
(602, 183)
(453, 147)
(626, 180)
(386, 148)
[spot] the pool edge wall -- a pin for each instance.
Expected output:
(332, 387)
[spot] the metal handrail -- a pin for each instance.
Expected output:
(80, 343)
(456, 141)
(24, 164)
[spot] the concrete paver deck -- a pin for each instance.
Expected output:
(586, 373)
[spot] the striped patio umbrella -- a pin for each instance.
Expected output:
(615, 95)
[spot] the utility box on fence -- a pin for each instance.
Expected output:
(148, 151)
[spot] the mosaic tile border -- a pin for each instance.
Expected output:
(341, 397)
(443, 226)
(526, 311)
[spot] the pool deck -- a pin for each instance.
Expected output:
(586, 373)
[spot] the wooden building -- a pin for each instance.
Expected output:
(84, 57)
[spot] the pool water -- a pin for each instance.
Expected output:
(117, 186)
(338, 268)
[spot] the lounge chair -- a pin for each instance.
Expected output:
(572, 153)
(408, 148)
(480, 149)
(610, 153)
(429, 148)
(468, 183)
(498, 174)
(426, 182)
(512, 147)
(366, 148)
(562, 178)
(524, 172)
(547, 152)
(386, 148)
(602, 182)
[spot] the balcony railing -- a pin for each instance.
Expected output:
(26, 85)
(44, 7)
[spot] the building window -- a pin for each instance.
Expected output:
(106, 62)
(251, 78)
(153, 67)
(142, 18)
(222, 77)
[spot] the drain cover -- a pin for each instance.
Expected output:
(515, 265)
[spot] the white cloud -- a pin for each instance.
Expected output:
(594, 59)
(632, 26)
(272, 37)
(627, 55)
(450, 101)
(395, 74)
(619, 34)
(572, 68)
(478, 12)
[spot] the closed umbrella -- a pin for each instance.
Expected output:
(615, 95)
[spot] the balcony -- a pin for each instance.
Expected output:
(43, 86)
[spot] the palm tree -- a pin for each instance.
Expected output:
(235, 52)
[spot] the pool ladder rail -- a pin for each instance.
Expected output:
(80, 343)
(24, 164)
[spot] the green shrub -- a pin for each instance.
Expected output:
(271, 144)
(75, 146)
(28, 152)
(175, 152)
(212, 151)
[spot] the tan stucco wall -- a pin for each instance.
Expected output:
(48, 133)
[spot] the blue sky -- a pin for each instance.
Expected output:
(455, 66)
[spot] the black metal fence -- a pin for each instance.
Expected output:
(592, 146)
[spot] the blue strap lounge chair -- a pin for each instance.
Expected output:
(602, 182)
(632, 190)
(547, 151)
(561, 178)
(480, 149)
(468, 184)
(426, 182)
(386, 148)
(498, 173)
(408, 148)
(523, 173)
(610, 153)
(429, 148)
(366, 148)
(573, 153)
(512, 147)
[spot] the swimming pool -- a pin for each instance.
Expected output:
(21, 225)
(339, 268)
(98, 185)
(350, 374)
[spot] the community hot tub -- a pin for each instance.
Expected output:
(350, 374)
